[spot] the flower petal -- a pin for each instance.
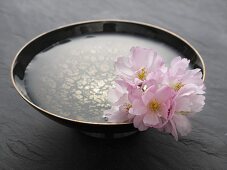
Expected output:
(173, 130)
(157, 62)
(138, 108)
(141, 57)
(164, 93)
(178, 65)
(183, 125)
(122, 67)
(134, 93)
(142, 127)
(118, 117)
(138, 123)
(148, 95)
(183, 104)
(114, 95)
(198, 101)
(151, 119)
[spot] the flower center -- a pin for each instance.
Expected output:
(142, 74)
(177, 86)
(125, 107)
(154, 105)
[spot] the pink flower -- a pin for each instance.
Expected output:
(189, 101)
(119, 111)
(148, 94)
(188, 85)
(154, 108)
(137, 67)
(189, 98)
(179, 75)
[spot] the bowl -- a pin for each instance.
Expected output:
(65, 73)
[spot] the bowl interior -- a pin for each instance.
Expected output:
(68, 71)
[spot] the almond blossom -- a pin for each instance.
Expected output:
(150, 95)
(137, 67)
(121, 105)
(155, 105)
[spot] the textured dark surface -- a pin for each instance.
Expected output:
(28, 140)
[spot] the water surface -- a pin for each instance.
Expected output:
(72, 79)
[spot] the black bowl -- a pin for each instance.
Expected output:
(65, 73)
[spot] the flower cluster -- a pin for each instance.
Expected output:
(151, 95)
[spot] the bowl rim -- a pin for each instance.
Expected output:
(85, 22)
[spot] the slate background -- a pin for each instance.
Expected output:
(28, 140)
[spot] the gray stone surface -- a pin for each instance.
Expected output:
(28, 140)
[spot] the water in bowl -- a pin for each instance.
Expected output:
(72, 79)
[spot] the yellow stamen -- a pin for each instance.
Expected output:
(177, 86)
(142, 74)
(154, 105)
(128, 106)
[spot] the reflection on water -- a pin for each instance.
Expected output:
(72, 79)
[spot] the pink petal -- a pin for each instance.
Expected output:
(151, 119)
(156, 76)
(165, 110)
(175, 61)
(174, 130)
(138, 123)
(114, 95)
(137, 81)
(123, 99)
(183, 104)
(148, 83)
(142, 127)
(164, 93)
(178, 65)
(122, 67)
(141, 57)
(183, 125)
(148, 95)
(198, 102)
(134, 94)
(179, 62)
(124, 83)
(187, 90)
(130, 116)
(138, 107)
(118, 117)
(157, 62)
(117, 95)
(191, 103)
(193, 76)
